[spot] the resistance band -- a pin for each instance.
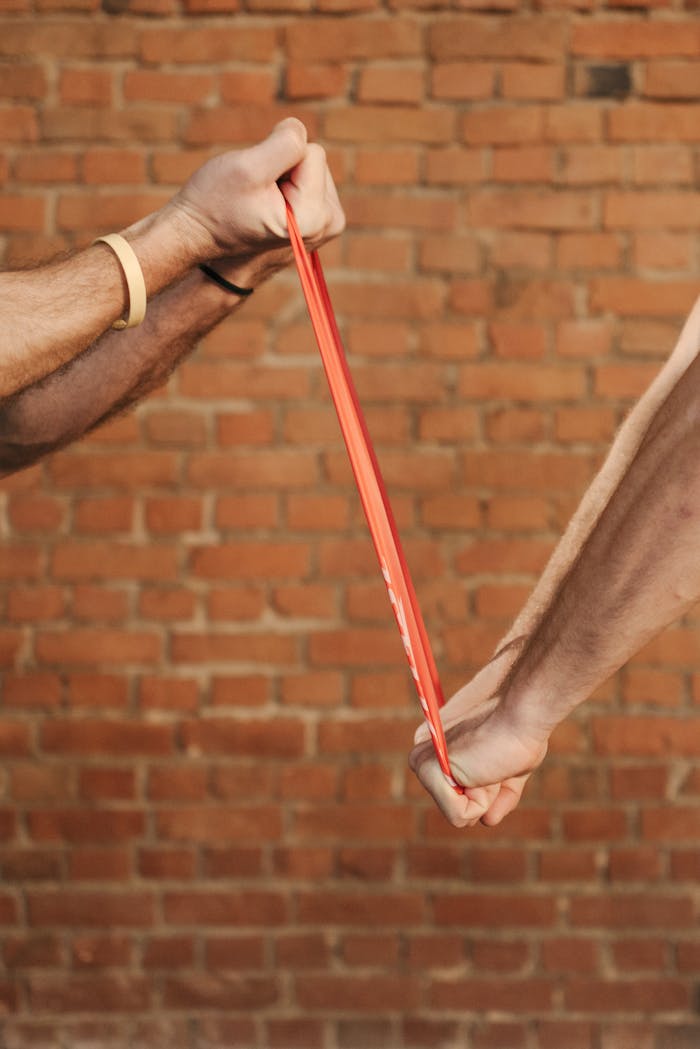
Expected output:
(372, 493)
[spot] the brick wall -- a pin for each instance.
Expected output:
(209, 837)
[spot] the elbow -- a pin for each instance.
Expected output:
(20, 445)
(15, 457)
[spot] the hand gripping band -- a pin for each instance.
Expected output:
(134, 279)
(373, 495)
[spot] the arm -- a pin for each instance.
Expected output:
(117, 370)
(622, 451)
(635, 571)
(59, 376)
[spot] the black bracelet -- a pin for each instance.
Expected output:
(211, 273)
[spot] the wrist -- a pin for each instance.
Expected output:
(167, 246)
(212, 274)
(251, 270)
(540, 693)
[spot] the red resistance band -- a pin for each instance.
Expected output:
(373, 494)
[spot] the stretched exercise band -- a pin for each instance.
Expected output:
(372, 494)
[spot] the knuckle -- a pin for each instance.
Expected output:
(316, 151)
(339, 221)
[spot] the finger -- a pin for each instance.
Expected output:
(280, 152)
(336, 224)
(305, 189)
(461, 810)
(506, 800)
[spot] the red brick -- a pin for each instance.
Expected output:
(294, 1034)
(223, 126)
(23, 81)
(246, 511)
(95, 604)
(78, 825)
(505, 126)
(240, 604)
(386, 166)
(90, 87)
(523, 164)
(163, 605)
(235, 952)
(462, 80)
(531, 209)
(650, 161)
(639, 955)
(391, 84)
(570, 955)
(668, 251)
(214, 907)
(529, 81)
(316, 80)
(168, 952)
(377, 252)
(481, 910)
(637, 911)
(635, 39)
(644, 736)
(200, 824)
(18, 124)
(104, 515)
(435, 950)
(31, 952)
(244, 428)
(573, 1034)
(359, 909)
(92, 737)
(373, 950)
(646, 210)
(626, 996)
(97, 690)
(454, 166)
(354, 39)
(356, 993)
(100, 864)
(538, 38)
(207, 45)
(378, 123)
(123, 470)
(278, 470)
(356, 822)
(497, 994)
(29, 690)
(671, 79)
(307, 862)
(593, 825)
(70, 994)
(103, 784)
(166, 863)
(49, 908)
(653, 122)
(35, 512)
(279, 738)
(114, 167)
(241, 690)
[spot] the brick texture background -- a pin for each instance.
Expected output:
(208, 835)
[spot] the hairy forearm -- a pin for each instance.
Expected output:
(113, 373)
(637, 571)
(622, 451)
(50, 315)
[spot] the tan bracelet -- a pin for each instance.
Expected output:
(134, 279)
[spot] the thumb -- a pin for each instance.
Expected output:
(281, 151)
